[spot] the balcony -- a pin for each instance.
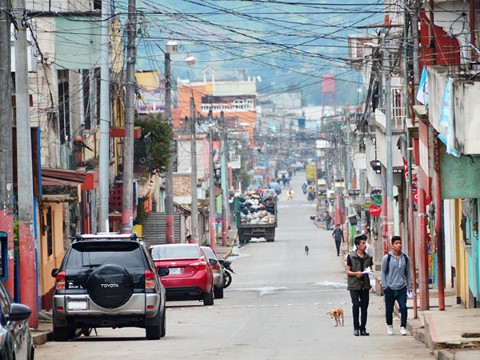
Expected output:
(466, 107)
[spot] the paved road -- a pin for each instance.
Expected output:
(276, 308)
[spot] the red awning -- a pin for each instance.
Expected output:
(62, 177)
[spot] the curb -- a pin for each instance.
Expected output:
(41, 337)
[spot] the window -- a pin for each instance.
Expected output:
(49, 232)
(91, 98)
(97, 4)
(63, 106)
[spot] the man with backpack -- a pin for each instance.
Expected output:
(396, 284)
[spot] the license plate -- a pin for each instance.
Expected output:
(77, 305)
(174, 271)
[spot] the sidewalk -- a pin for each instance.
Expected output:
(450, 334)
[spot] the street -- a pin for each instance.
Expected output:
(276, 308)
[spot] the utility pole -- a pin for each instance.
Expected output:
(224, 150)
(193, 152)
(6, 120)
(213, 235)
(388, 131)
(104, 167)
(127, 211)
(26, 234)
(169, 219)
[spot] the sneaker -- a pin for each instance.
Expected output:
(390, 329)
(403, 331)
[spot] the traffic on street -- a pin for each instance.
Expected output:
(276, 308)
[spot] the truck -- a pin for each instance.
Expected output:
(310, 170)
(256, 216)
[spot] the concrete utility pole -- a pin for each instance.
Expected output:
(127, 211)
(388, 130)
(415, 53)
(6, 120)
(104, 167)
(169, 219)
(224, 150)
(194, 206)
(26, 234)
(213, 234)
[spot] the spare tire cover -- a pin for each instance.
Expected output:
(110, 286)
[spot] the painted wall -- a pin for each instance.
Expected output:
(461, 268)
(50, 261)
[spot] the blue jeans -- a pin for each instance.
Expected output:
(401, 297)
(360, 299)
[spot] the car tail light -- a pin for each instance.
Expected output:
(216, 267)
(199, 265)
(60, 280)
(149, 279)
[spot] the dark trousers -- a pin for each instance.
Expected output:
(337, 244)
(401, 297)
(360, 299)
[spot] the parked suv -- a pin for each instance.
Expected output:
(107, 280)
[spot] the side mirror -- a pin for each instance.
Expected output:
(54, 272)
(163, 271)
(212, 262)
(18, 312)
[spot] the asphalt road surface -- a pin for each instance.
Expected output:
(276, 308)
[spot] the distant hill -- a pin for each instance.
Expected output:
(284, 44)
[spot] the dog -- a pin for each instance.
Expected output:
(307, 249)
(337, 314)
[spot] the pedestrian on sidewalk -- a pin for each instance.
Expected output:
(396, 284)
(328, 220)
(359, 265)
(338, 236)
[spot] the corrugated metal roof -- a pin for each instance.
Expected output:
(62, 177)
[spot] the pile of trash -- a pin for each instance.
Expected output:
(257, 208)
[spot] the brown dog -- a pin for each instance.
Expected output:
(336, 314)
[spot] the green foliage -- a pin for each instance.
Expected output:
(141, 213)
(154, 146)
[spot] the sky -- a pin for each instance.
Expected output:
(284, 44)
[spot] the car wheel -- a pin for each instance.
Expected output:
(63, 333)
(154, 332)
(218, 291)
(208, 298)
(227, 279)
(110, 286)
(163, 330)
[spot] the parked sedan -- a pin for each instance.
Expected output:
(15, 338)
(217, 270)
(189, 276)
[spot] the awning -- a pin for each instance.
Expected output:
(62, 177)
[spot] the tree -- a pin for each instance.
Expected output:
(153, 148)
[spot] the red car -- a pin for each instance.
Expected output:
(189, 276)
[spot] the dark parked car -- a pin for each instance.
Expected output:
(107, 280)
(15, 339)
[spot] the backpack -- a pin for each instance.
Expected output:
(406, 263)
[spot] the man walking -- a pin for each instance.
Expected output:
(338, 236)
(359, 265)
(396, 284)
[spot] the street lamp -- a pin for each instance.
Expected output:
(169, 217)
